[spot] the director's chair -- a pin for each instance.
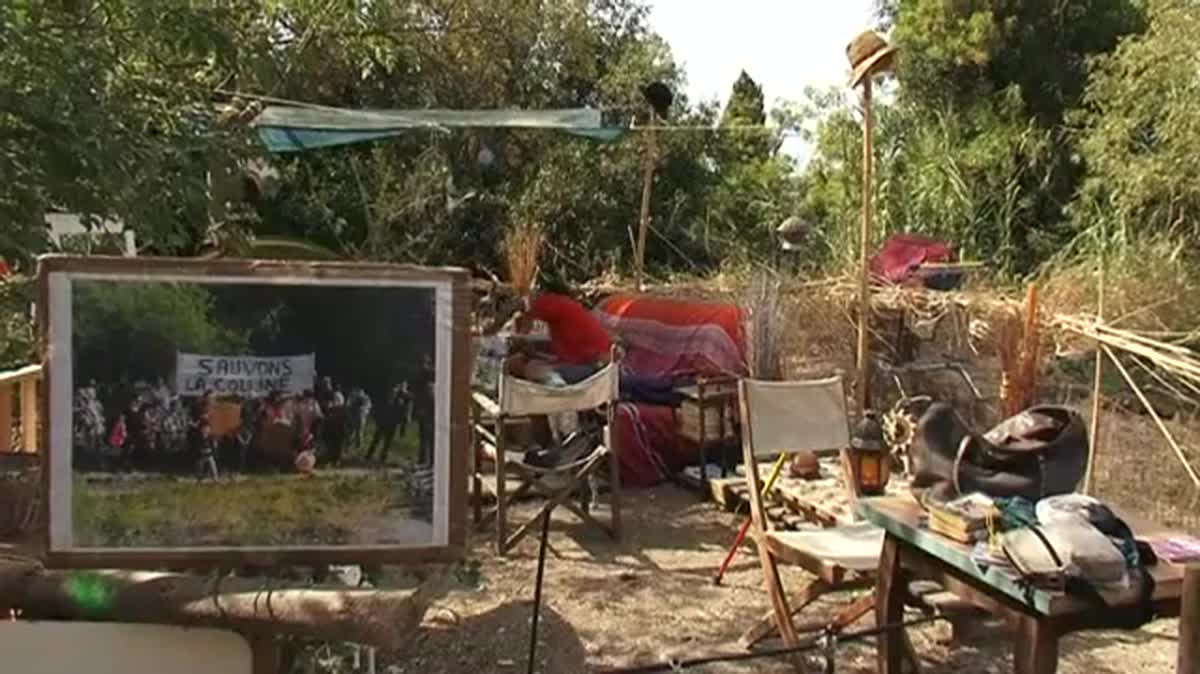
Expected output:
(782, 417)
(519, 401)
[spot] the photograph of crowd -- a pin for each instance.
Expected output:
(235, 414)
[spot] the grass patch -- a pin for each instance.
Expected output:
(269, 510)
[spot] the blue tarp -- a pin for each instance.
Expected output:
(296, 129)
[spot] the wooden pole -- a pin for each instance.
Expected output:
(29, 415)
(864, 280)
(648, 166)
(1188, 661)
(1094, 430)
(6, 417)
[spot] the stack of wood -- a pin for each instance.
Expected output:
(796, 503)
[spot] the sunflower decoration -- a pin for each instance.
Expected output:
(899, 431)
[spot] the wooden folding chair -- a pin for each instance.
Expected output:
(785, 417)
(518, 402)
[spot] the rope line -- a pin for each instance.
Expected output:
(827, 643)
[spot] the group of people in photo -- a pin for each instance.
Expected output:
(149, 427)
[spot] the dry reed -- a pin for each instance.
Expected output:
(763, 320)
(522, 250)
(1019, 348)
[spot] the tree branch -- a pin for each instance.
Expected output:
(383, 618)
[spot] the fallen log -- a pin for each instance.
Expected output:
(381, 618)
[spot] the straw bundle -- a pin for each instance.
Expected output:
(763, 322)
(522, 249)
(1019, 346)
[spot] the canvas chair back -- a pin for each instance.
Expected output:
(789, 416)
(781, 417)
(520, 397)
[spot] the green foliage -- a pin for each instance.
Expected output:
(134, 330)
(17, 346)
(104, 111)
(973, 147)
(1140, 132)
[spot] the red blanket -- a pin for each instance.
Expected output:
(664, 338)
(648, 444)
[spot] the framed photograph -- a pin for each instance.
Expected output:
(247, 412)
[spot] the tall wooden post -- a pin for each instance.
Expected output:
(648, 166)
(864, 279)
(1189, 623)
(6, 417)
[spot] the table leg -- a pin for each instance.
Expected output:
(889, 608)
(501, 500)
(1036, 647)
(476, 470)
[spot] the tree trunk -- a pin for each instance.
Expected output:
(382, 618)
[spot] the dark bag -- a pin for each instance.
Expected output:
(1040, 452)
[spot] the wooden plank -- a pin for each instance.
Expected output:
(724, 492)
(6, 417)
(29, 415)
(1189, 623)
(21, 374)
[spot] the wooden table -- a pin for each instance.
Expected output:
(1039, 617)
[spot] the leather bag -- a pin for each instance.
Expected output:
(1040, 452)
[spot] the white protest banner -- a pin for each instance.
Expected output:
(243, 375)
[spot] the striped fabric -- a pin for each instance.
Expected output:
(666, 338)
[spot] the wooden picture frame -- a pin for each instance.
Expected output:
(451, 365)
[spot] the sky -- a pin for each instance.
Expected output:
(785, 45)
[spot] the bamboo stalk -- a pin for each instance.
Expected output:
(1184, 367)
(1094, 426)
(864, 287)
(1187, 466)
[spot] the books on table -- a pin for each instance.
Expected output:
(964, 519)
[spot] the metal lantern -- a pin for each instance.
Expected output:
(868, 456)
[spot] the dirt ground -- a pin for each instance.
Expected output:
(651, 597)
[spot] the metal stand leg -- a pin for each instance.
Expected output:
(537, 592)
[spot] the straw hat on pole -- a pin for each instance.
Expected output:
(869, 54)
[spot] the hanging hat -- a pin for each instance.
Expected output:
(869, 53)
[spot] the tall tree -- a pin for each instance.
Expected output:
(746, 108)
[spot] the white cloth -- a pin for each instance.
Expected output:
(520, 397)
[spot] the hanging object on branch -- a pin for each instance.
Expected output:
(659, 97)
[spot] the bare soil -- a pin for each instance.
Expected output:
(651, 597)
